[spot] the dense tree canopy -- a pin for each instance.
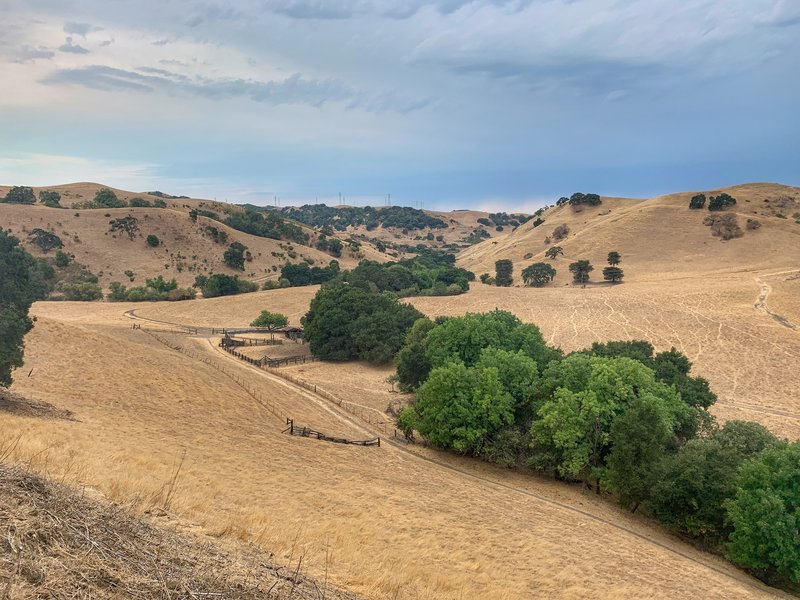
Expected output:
(20, 194)
(765, 514)
(631, 423)
(345, 322)
(266, 224)
(340, 218)
(504, 270)
(223, 285)
(106, 198)
(17, 293)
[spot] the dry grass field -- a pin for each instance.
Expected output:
(406, 522)
(393, 524)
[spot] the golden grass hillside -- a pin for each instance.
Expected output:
(657, 238)
(382, 522)
(186, 249)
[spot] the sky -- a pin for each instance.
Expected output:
(447, 104)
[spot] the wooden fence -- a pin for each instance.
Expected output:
(308, 432)
(240, 341)
(266, 361)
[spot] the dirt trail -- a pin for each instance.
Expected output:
(765, 289)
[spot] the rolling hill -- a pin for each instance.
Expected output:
(187, 247)
(657, 238)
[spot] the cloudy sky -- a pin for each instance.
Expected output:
(447, 103)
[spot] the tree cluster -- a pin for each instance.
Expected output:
(50, 199)
(431, 273)
(720, 202)
(627, 421)
(502, 219)
(223, 285)
(304, 274)
(154, 290)
(346, 322)
(332, 245)
(267, 225)
(400, 217)
(578, 199)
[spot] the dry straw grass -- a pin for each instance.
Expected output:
(57, 543)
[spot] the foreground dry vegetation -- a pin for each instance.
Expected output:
(60, 543)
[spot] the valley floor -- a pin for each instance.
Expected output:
(394, 521)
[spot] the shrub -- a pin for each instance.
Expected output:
(84, 292)
(50, 199)
(234, 256)
(153, 241)
(159, 203)
(753, 224)
(105, 198)
(487, 279)
(560, 232)
(45, 240)
(181, 294)
(62, 259)
(724, 226)
(139, 203)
